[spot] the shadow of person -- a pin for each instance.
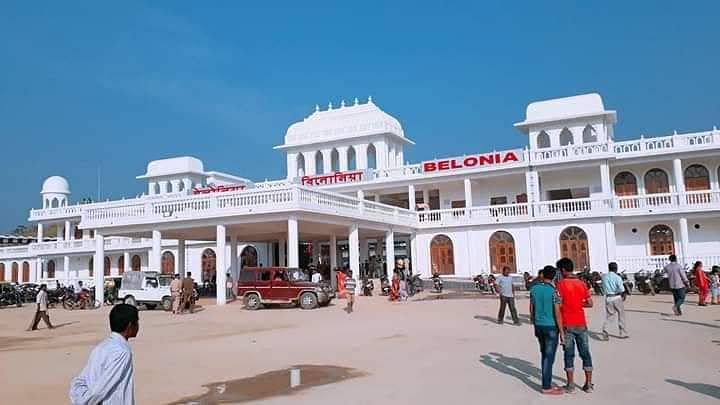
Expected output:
(60, 325)
(521, 369)
(712, 391)
(596, 336)
(639, 311)
(709, 325)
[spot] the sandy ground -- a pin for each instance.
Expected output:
(421, 352)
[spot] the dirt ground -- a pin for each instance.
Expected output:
(425, 351)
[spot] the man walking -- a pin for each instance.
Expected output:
(175, 293)
(574, 297)
(350, 285)
(230, 284)
(188, 288)
(507, 296)
(614, 290)
(41, 310)
(108, 376)
(678, 283)
(547, 319)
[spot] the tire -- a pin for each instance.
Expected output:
(130, 300)
(308, 300)
(252, 302)
(167, 304)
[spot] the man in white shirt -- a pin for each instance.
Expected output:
(41, 310)
(108, 377)
(316, 277)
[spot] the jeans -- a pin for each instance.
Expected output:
(547, 337)
(579, 337)
(510, 302)
(678, 297)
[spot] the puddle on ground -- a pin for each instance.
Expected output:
(270, 384)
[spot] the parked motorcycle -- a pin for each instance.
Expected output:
(660, 281)
(437, 283)
(491, 286)
(384, 286)
(10, 295)
(626, 283)
(368, 287)
(479, 282)
(414, 284)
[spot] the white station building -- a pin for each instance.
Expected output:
(573, 191)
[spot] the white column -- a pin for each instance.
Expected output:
(610, 241)
(187, 185)
(126, 262)
(468, 193)
(333, 261)
(390, 252)
(99, 267)
(361, 156)
(163, 186)
(426, 197)
(292, 244)
(679, 181)
(292, 169)
(605, 179)
(343, 155)
(38, 261)
(220, 264)
(310, 168)
(175, 185)
(412, 204)
(327, 160)
(36, 271)
(66, 269)
(68, 228)
(684, 240)
(354, 248)
(376, 198)
(413, 254)
(156, 254)
(234, 264)
(151, 188)
(361, 197)
(86, 234)
(282, 245)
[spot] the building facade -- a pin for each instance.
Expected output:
(573, 191)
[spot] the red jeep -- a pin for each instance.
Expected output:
(281, 285)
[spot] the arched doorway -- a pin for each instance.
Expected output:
(574, 246)
(121, 264)
(656, 182)
(2, 271)
(502, 252)
(335, 160)
(106, 266)
(300, 165)
(543, 140)
(697, 178)
(371, 157)
(136, 263)
(14, 274)
(248, 257)
(208, 265)
(50, 270)
(167, 263)
(566, 137)
(442, 257)
(662, 241)
(626, 185)
(26, 271)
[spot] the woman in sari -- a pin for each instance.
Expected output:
(395, 287)
(701, 281)
(340, 275)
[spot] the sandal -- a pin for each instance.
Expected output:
(570, 389)
(553, 391)
(588, 388)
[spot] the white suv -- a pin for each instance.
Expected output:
(145, 287)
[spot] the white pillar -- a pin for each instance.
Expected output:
(361, 197)
(292, 169)
(605, 179)
(67, 230)
(354, 248)
(468, 193)
(310, 168)
(610, 241)
(282, 245)
(679, 181)
(390, 252)
(684, 240)
(151, 188)
(220, 264)
(333, 261)
(36, 272)
(343, 155)
(234, 264)
(187, 185)
(126, 262)
(86, 234)
(412, 205)
(163, 186)
(175, 185)
(292, 244)
(413, 254)
(327, 160)
(156, 254)
(66, 269)
(426, 197)
(361, 156)
(376, 198)
(99, 267)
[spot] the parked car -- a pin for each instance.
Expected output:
(144, 287)
(281, 285)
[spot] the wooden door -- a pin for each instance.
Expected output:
(441, 255)
(502, 252)
(626, 185)
(662, 241)
(574, 246)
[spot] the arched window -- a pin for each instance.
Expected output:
(574, 246)
(2, 271)
(371, 157)
(589, 134)
(352, 159)
(248, 257)
(106, 266)
(442, 257)
(136, 263)
(566, 137)
(26, 271)
(543, 140)
(319, 163)
(121, 264)
(656, 182)
(300, 165)
(697, 178)
(91, 266)
(625, 184)
(335, 160)
(502, 252)
(208, 265)
(55, 203)
(50, 269)
(14, 275)
(662, 242)
(168, 263)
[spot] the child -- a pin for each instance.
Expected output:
(715, 285)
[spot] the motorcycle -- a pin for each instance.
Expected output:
(85, 299)
(479, 282)
(661, 282)
(384, 286)
(368, 287)
(644, 282)
(492, 288)
(10, 295)
(626, 283)
(437, 283)
(414, 284)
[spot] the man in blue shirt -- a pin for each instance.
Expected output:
(614, 290)
(547, 319)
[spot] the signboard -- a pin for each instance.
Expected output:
(218, 189)
(332, 178)
(472, 161)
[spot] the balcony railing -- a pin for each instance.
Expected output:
(665, 144)
(563, 153)
(652, 263)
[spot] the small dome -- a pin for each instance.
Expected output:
(55, 184)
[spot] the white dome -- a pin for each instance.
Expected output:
(55, 184)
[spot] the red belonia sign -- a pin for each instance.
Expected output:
(472, 161)
(332, 178)
(219, 189)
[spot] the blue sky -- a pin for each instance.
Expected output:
(92, 84)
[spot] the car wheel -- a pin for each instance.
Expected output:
(252, 301)
(130, 300)
(308, 300)
(167, 303)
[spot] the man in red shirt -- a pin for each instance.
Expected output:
(574, 297)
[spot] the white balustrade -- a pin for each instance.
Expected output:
(570, 151)
(573, 208)
(398, 172)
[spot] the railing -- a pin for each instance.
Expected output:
(671, 143)
(702, 198)
(13, 251)
(570, 151)
(652, 263)
(402, 171)
(488, 214)
(60, 212)
(573, 208)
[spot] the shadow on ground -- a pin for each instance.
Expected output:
(709, 325)
(713, 391)
(521, 369)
